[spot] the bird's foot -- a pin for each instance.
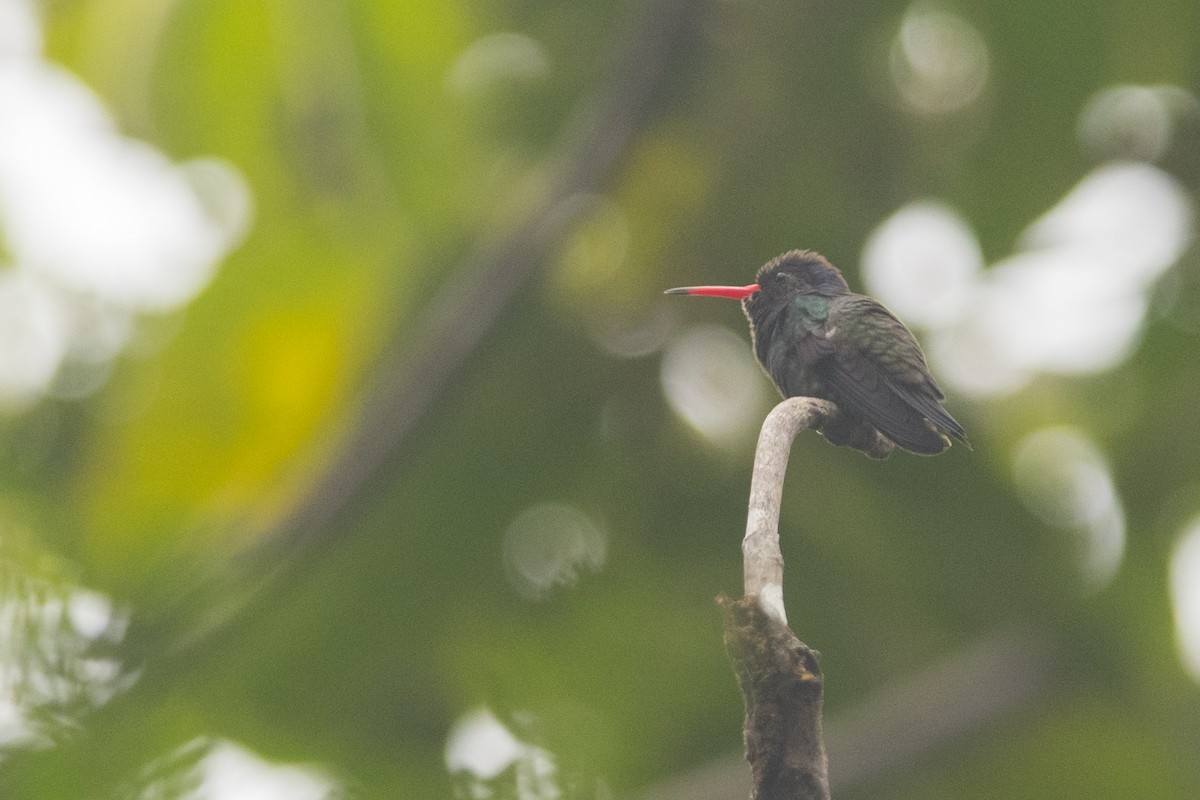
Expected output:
(847, 431)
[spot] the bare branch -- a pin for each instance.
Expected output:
(762, 559)
(778, 674)
(760, 548)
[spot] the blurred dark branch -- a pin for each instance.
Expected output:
(908, 721)
(425, 355)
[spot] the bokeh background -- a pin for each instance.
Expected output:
(348, 447)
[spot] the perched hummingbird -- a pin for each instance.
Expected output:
(816, 338)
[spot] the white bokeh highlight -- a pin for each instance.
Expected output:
(1184, 580)
(496, 59)
(622, 336)
(481, 745)
(926, 260)
(549, 545)
(1134, 122)
(1071, 300)
(220, 769)
(1074, 295)
(711, 380)
(56, 662)
(490, 761)
(34, 335)
(1133, 216)
(939, 62)
(1063, 478)
(20, 29)
(231, 772)
(96, 226)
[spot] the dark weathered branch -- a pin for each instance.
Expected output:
(783, 689)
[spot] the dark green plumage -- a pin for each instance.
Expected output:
(816, 338)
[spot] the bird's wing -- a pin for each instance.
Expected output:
(878, 366)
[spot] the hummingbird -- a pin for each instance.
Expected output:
(816, 338)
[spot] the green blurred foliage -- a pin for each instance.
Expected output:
(372, 178)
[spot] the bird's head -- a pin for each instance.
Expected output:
(779, 281)
(800, 272)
